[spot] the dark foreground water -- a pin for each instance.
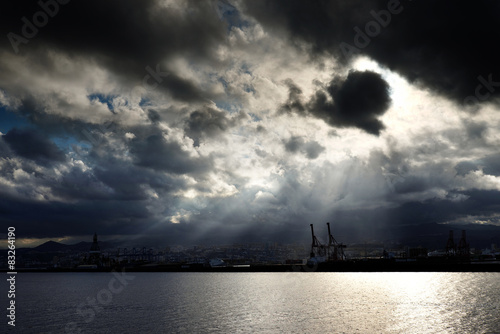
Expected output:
(256, 303)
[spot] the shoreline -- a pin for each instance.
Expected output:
(345, 266)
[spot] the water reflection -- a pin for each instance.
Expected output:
(416, 297)
(442, 302)
(338, 303)
(268, 303)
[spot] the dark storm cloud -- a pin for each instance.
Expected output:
(113, 181)
(491, 164)
(157, 153)
(310, 149)
(478, 203)
(31, 144)
(355, 101)
(183, 89)
(411, 184)
(42, 219)
(136, 178)
(113, 197)
(133, 38)
(121, 30)
(79, 185)
(4, 148)
(154, 116)
(206, 123)
(61, 125)
(446, 46)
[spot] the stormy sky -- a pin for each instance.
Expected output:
(178, 122)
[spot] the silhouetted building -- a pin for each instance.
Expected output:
(95, 251)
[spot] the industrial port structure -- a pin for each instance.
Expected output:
(328, 256)
(332, 251)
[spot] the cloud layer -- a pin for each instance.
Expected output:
(215, 121)
(446, 47)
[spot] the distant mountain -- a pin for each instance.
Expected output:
(51, 246)
(429, 235)
(435, 236)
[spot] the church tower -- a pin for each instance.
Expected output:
(95, 251)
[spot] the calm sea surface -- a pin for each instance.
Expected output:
(256, 303)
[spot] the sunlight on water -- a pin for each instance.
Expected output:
(263, 303)
(417, 308)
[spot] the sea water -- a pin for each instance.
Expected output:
(256, 303)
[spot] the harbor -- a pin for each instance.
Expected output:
(331, 256)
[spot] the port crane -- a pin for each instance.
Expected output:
(333, 251)
(462, 249)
